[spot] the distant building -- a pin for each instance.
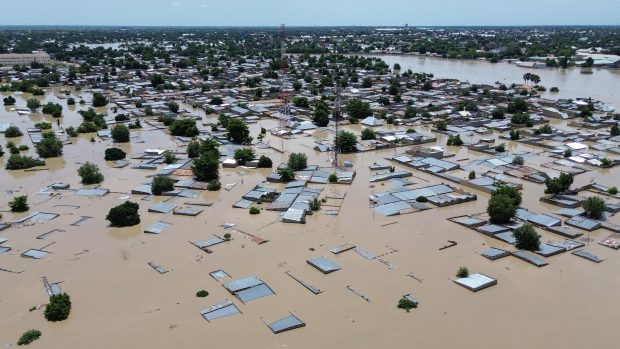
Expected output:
(11, 59)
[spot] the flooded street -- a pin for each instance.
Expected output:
(119, 301)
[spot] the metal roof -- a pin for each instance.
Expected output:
(324, 264)
(286, 323)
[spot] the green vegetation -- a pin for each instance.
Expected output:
(321, 114)
(406, 304)
(169, 157)
(19, 204)
(33, 104)
(29, 337)
(49, 146)
(527, 238)
(193, 149)
(120, 134)
(43, 125)
(421, 199)
(520, 118)
(560, 184)
(254, 210)
(243, 155)
(124, 215)
(161, 184)
(346, 141)
(173, 106)
(368, 133)
(90, 174)
(500, 148)
(58, 308)
(358, 109)
(612, 190)
(518, 160)
(184, 128)
(501, 208)
(454, 140)
(554, 89)
(441, 125)
(515, 135)
(333, 178)
(472, 175)
(264, 162)
(287, 174)
(214, 185)
(70, 101)
(53, 109)
(113, 154)
(594, 207)
(517, 105)
(238, 131)
(202, 293)
(12, 132)
(22, 162)
(99, 100)
(297, 161)
(462, 272)
(206, 167)
(9, 100)
(315, 204)
(615, 130)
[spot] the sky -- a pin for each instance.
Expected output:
(311, 12)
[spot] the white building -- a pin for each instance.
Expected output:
(11, 59)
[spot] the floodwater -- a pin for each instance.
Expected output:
(119, 301)
(602, 84)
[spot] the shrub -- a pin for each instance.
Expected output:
(22, 162)
(29, 337)
(527, 238)
(237, 130)
(568, 153)
(193, 149)
(99, 100)
(23, 147)
(517, 105)
(9, 100)
(615, 130)
(511, 192)
(462, 272)
(49, 146)
(368, 133)
(333, 178)
(90, 173)
(518, 160)
(612, 191)
(455, 140)
(315, 204)
(501, 209)
(120, 134)
(227, 236)
(559, 184)
(161, 184)
(87, 127)
(472, 175)
(441, 125)
(346, 141)
(121, 117)
(206, 167)
(70, 101)
(214, 185)
(173, 106)
(43, 125)
(421, 199)
(124, 215)
(554, 89)
(520, 118)
(515, 135)
(169, 157)
(184, 128)
(53, 109)
(254, 210)
(498, 113)
(202, 293)
(33, 104)
(297, 161)
(265, 162)
(243, 155)
(19, 204)
(71, 131)
(406, 304)
(12, 132)
(286, 174)
(594, 207)
(58, 308)
(500, 148)
(113, 154)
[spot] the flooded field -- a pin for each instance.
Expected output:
(119, 301)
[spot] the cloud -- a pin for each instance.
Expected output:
(176, 4)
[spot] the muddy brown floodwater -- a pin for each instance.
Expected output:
(121, 302)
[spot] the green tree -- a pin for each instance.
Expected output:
(594, 207)
(184, 128)
(517, 105)
(19, 204)
(615, 130)
(99, 100)
(301, 102)
(12, 132)
(321, 114)
(368, 133)
(244, 155)
(49, 146)
(58, 308)
(358, 109)
(286, 174)
(113, 154)
(265, 162)
(527, 238)
(193, 149)
(501, 209)
(346, 142)
(498, 113)
(206, 167)
(161, 184)
(560, 184)
(173, 106)
(22, 162)
(124, 215)
(297, 161)
(33, 104)
(237, 130)
(90, 173)
(120, 134)
(29, 337)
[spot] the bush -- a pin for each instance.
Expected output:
(554, 89)
(214, 185)
(237, 130)
(58, 308)
(500, 148)
(511, 192)
(297, 161)
(520, 118)
(527, 238)
(169, 157)
(206, 167)
(498, 113)
(286, 174)
(421, 199)
(19, 204)
(53, 109)
(120, 134)
(121, 117)
(315, 204)
(594, 207)
(113, 154)
(612, 191)
(49, 146)
(358, 109)
(90, 173)
(517, 105)
(462, 272)
(406, 304)
(184, 128)
(22, 162)
(254, 210)
(243, 155)
(501, 209)
(87, 127)
(560, 184)
(193, 149)
(455, 140)
(518, 160)
(202, 293)
(472, 175)
(12, 132)
(43, 125)
(29, 337)
(346, 141)
(124, 215)
(441, 125)
(70, 101)
(99, 100)
(33, 104)
(173, 106)
(71, 131)
(161, 184)
(227, 236)
(333, 178)
(368, 133)
(9, 100)
(265, 162)
(515, 135)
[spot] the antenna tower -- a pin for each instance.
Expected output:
(285, 110)
(336, 113)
